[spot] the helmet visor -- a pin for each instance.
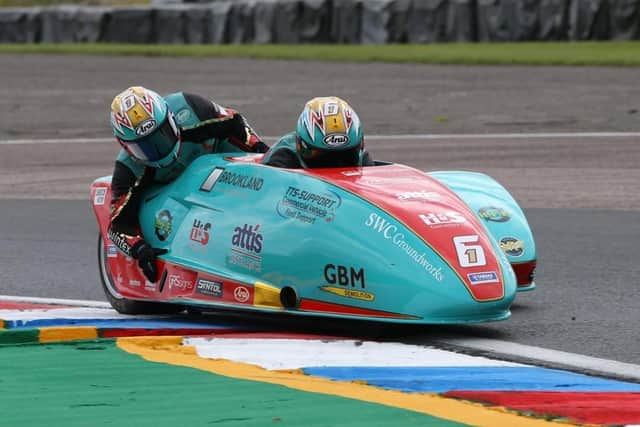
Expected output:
(157, 145)
(316, 158)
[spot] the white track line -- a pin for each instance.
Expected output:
(488, 347)
(554, 358)
(56, 301)
(374, 137)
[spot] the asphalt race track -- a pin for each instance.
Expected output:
(579, 192)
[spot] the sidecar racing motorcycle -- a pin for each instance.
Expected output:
(385, 243)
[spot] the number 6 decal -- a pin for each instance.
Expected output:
(469, 255)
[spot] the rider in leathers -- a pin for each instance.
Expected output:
(160, 137)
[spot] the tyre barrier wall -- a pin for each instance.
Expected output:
(327, 21)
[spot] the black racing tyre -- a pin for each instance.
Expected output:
(117, 301)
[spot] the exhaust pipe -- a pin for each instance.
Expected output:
(289, 298)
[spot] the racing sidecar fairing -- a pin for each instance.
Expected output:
(385, 242)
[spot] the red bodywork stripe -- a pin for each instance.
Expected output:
(611, 408)
(325, 307)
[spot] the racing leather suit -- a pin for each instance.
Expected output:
(205, 127)
(283, 154)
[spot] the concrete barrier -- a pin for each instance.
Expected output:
(326, 21)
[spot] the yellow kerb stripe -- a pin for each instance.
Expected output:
(54, 334)
(171, 351)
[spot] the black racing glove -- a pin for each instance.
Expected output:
(146, 256)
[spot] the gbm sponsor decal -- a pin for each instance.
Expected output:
(350, 281)
(344, 276)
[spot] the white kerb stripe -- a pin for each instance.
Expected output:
(56, 301)
(268, 353)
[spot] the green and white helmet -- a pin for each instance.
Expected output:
(144, 126)
(329, 133)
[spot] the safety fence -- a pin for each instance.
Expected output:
(327, 21)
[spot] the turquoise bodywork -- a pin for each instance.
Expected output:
(508, 222)
(341, 254)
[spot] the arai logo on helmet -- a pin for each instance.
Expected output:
(145, 127)
(336, 139)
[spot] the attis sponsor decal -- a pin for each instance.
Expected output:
(484, 277)
(209, 288)
(247, 245)
(163, 224)
(100, 196)
(177, 282)
(492, 213)
(248, 237)
(389, 230)
(512, 246)
(241, 294)
(351, 173)
(200, 232)
(442, 219)
(145, 127)
(134, 283)
(306, 206)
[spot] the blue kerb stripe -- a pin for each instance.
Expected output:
(443, 379)
(113, 323)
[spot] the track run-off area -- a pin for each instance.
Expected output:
(567, 148)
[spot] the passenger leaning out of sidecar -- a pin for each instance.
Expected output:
(160, 137)
(328, 135)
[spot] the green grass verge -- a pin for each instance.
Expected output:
(583, 53)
